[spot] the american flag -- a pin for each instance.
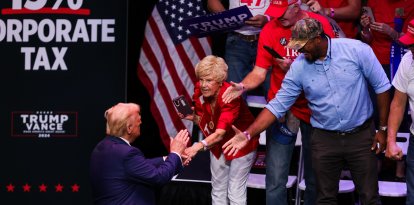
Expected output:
(167, 60)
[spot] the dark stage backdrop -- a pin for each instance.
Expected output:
(62, 63)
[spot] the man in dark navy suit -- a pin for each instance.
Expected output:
(120, 173)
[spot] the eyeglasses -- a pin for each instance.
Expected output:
(303, 47)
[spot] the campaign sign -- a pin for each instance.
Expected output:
(218, 22)
(63, 64)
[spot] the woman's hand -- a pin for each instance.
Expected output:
(192, 151)
(192, 117)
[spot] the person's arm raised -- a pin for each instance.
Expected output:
(241, 138)
(251, 81)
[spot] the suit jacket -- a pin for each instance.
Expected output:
(120, 174)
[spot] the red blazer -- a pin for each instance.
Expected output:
(225, 114)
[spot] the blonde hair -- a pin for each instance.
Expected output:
(212, 66)
(118, 116)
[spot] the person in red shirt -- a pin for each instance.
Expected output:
(279, 145)
(215, 118)
(345, 12)
(379, 32)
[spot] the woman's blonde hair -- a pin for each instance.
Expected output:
(212, 66)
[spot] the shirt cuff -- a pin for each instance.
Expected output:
(178, 156)
(272, 109)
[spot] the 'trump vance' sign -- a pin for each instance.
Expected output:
(219, 22)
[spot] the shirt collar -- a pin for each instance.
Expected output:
(328, 53)
(329, 50)
(125, 141)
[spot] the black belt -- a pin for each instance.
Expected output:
(352, 131)
(249, 38)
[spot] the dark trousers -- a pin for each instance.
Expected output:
(332, 151)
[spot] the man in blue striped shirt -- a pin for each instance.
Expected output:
(334, 75)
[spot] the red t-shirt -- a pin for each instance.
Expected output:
(349, 27)
(223, 116)
(384, 12)
(277, 37)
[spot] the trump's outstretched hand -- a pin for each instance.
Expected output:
(179, 143)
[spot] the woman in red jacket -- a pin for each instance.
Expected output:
(228, 173)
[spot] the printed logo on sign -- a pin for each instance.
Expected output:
(44, 124)
(50, 30)
(253, 4)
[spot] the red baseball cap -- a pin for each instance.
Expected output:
(408, 38)
(278, 7)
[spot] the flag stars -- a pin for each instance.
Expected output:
(175, 12)
(75, 188)
(26, 187)
(187, 31)
(10, 187)
(42, 188)
(59, 188)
